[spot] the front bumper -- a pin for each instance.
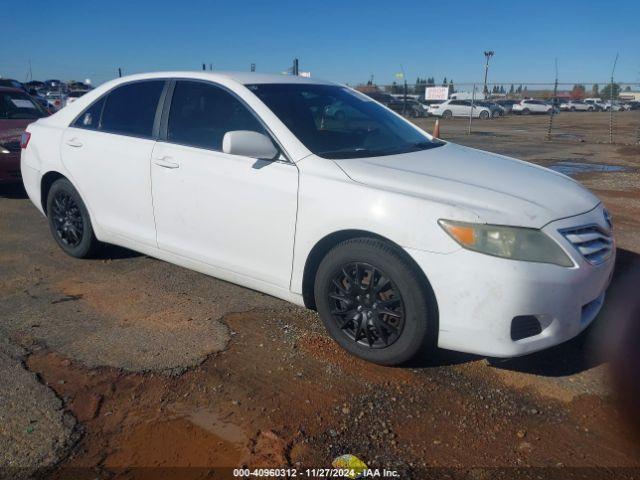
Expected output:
(479, 295)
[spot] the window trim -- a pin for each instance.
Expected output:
(105, 96)
(166, 111)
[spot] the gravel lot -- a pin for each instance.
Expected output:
(126, 361)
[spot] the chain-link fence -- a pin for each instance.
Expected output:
(582, 112)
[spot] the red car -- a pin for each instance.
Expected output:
(17, 110)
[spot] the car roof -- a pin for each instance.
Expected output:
(244, 78)
(11, 89)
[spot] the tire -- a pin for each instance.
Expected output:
(447, 114)
(526, 111)
(496, 114)
(483, 115)
(572, 109)
(350, 308)
(69, 220)
(590, 109)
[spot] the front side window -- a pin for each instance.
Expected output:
(19, 106)
(131, 109)
(201, 113)
(337, 122)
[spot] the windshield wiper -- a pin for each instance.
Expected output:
(346, 153)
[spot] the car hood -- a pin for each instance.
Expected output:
(497, 189)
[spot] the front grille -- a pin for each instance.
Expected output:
(593, 242)
(13, 146)
(525, 326)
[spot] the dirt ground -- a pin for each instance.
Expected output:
(128, 367)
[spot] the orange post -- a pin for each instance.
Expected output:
(436, 129)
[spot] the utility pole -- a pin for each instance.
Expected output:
(487, 55)
(611, 100)
(404, 100)
(555, 100)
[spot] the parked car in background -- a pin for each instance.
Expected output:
(597, 103)
(507, 104)
(54, 85)
(17, 110)
(577, 106)
(400, 241)
(382, 97)
(36, 85)
(529, 106)
(409, 107)
(11, 83)
(56, 100)
(74, 95)
(78, 86)
(616, 106)
(495, 109)
(459, 108)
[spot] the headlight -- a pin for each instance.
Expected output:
(516, 243)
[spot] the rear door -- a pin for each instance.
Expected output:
(107, 151)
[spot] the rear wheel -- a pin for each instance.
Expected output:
(69, 220)
(373, 303)
(526, 111)
(447, 114)
(484, 115)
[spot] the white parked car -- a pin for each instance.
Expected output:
(617, 107)
(399, 240)
(528, 106)
(459, 108)
(74, 95)
(56, 100)
(597, 103)
(577, 106)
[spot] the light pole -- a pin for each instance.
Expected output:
(487, 55)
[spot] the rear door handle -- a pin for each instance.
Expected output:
(74, 142)
(166, 162)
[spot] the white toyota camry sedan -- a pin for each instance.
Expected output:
(400, 241)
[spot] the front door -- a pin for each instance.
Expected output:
(229, 211)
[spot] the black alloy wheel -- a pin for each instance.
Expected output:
(69, 220)
(375, 302)
(367, 305)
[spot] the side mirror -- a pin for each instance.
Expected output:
(249, 144)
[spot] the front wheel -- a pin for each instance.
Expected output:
(484, 115)
(374, 303)
(69, 220)
(447, 114)
(526, 111)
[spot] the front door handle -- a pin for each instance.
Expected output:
(74, 142)
(166, 162)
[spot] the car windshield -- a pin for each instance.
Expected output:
(336, 122)
(15, 105)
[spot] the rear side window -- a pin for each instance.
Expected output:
(90, 118)
(131, 109)
(202, 113)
